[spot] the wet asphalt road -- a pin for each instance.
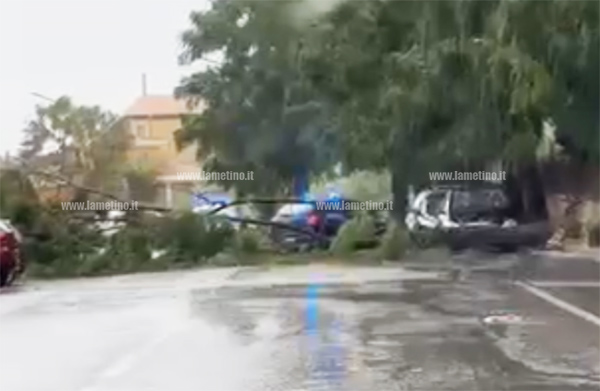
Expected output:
(306, 328)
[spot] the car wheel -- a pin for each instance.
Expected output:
(508, 248)
(457, 247)
(5, 276)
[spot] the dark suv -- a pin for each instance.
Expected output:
(322, 217)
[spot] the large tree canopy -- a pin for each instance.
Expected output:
(261, 114)
(470, 80)
(414, 86)
(437, 85)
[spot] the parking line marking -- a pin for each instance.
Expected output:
(566, 284)
(573, 310)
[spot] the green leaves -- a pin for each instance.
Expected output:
(459, 81)
(82, 143)
(411, 86)
(262, 113)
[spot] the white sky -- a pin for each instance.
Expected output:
(94, 51)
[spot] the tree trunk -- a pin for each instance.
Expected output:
(399, 195)
(567, 190)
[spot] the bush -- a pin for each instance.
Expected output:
(77, 248)
(65, 244)
(125, 252)
(94, 265)
(192, 237)
(19, 202)
(395, 242)
(247, 241)
(357, 230)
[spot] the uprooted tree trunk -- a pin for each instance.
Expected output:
(570, 189)
(568, 222)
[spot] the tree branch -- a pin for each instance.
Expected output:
(59, 178)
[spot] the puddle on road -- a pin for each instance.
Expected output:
(418, 335)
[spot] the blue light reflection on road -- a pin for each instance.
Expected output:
(327, 355)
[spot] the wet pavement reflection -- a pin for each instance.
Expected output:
(411, 335)
(468, 328)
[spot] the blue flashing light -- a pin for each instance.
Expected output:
(333, 196)
(308, 197)
(211, 200)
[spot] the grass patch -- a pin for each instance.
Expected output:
(352, 234)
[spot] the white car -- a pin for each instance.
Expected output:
(447, 208)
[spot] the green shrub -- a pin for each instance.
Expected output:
(161, 262)
(395, 242)
(191, 237)
(126, 250)
(19, 202)
(76, 248)
(366, 227)
(247, 241)
(65, 244)
(357, 230)
(94, 265)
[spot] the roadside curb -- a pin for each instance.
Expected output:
(581, 255)
(240, 270)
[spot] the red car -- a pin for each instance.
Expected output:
(11, 263)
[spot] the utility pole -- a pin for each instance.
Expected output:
(42, 96)
(144, 86)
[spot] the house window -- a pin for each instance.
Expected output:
(142, 130)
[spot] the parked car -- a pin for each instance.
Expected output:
(472, 217)
(455, 207)
(11, 262)
(306, 216)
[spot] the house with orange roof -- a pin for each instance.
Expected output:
(152, 121)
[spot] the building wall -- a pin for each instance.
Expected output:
(152, 140)
(153, 145)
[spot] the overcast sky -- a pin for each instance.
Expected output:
(94, 51)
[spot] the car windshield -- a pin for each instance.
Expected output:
(479, 199)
